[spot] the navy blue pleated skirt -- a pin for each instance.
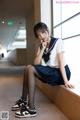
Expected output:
(50, 75)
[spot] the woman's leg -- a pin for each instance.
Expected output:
(25, 84)
(29, 85)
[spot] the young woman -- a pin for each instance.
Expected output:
(49, 66)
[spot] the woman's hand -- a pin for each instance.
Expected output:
(68, 85)
(44, 44)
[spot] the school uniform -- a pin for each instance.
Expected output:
(49, 70)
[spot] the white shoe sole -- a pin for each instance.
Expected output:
(25, 116)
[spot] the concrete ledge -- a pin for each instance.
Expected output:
(12, 70)
(18, 56)
(67, 101)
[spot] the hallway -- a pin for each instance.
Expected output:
(10, 91)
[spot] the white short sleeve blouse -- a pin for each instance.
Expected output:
(53, 60)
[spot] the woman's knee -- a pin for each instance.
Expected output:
(29, 68)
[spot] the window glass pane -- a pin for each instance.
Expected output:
(67, 29)
(63, 9)
(69, 8)
(72, 48)
(71, 27)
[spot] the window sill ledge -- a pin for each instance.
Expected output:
(65, 99)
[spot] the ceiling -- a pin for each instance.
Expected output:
(14, 11)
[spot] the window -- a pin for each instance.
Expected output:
(66, 25)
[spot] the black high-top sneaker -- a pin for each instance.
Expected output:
(25, 112)
(18, 104)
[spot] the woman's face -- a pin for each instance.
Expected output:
(43, 36)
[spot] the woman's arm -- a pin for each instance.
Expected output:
(62, 69)
(38, 56)
(40, 52)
